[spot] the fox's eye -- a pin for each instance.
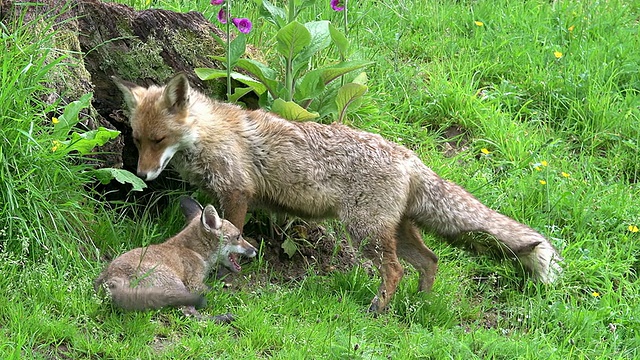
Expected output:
(158, 141)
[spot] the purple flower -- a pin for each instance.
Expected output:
(337, 5)
(217, 2)
(222, 16)
(243, 24)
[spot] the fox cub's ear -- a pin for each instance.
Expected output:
(190, 208)
(176, 93)
(131, 92)
(210, 219)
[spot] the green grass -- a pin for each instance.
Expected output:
(435, 67)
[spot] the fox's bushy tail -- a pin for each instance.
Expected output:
(450, 211)
(145, 298)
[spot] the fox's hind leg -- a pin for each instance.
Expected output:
(411, 248)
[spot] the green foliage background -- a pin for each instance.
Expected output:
(550, 91)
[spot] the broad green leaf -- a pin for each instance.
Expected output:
(261, 72)
(341, 41)
(237, 48)
(310, 86)
(302, 4)
(210, 74)
(239, 92)
(255, 85)
(320, 40)
(85, 142)
(283, 93)
(291, 111)
(291, 39)
(69, 117)
(289, 246)
(361, 78)
(273, 14)
(335, 71)
(326, 106)
(346, 95)
(122, 176)
(222, 59)
(222, 42)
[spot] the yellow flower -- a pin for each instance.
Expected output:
(542, 182)
(557, 54)
(595, 294)
(544, 163)
(55, 120)
(485, 151)
(56, 145)
(633, 228)
(537, 168)
(479, 23)
(564, 174)
(571, 28)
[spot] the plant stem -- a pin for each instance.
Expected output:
(292, 11)
(288, 77)
(346, 34)
(227, 5)
(288, 74)
(346, 23)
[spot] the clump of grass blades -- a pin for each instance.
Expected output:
(42, 191)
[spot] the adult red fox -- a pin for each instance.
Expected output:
(380, 190)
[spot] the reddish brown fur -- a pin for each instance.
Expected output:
(172, 273)
(380, 190)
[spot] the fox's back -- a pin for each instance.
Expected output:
(154, 265)
(304, 168)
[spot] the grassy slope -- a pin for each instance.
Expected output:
(435, 67)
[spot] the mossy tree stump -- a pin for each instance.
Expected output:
(102, 39)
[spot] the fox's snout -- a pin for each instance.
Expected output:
(148, 176)
(152, 161)
(249, 250)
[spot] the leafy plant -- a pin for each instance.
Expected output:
(298, 91)
(83, 143)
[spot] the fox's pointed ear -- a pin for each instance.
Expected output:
(191, 208)
(130, 91)
(210, 219)
(176, 93)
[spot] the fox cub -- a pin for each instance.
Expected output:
(172, 273)
(381, 190)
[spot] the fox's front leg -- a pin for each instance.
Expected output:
(235, 204)
(382, 251)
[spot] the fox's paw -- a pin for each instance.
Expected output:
(227, 318)
(375, 308)
(190, 311)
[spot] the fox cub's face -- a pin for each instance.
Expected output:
(160, 122)
(217, 230)
(231, 245)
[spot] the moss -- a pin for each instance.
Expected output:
(139, 61)
(74, 81)
(194, 48)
